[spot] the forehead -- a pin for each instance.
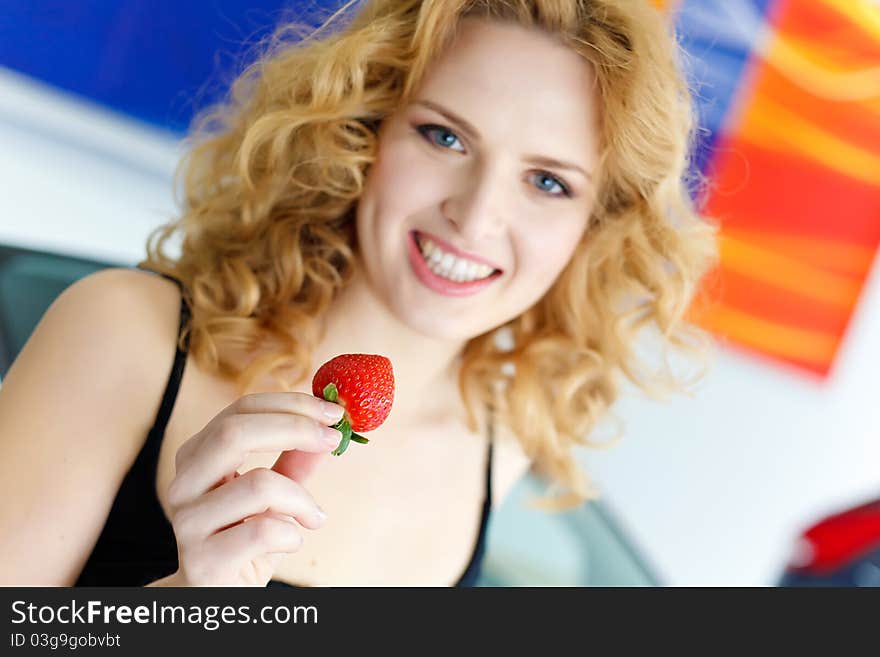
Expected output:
(501, 76)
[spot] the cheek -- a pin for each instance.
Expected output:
(545, 253)
(405, 181)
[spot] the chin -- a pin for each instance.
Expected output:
(431, 327)
(431, 323)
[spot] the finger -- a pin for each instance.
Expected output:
(261, 535)
(275, 559)
(257, 491)
(223, 448)
(269, 563)
(297, 403)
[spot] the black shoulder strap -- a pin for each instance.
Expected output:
(488, 505)
(173, 385)
(471, 572)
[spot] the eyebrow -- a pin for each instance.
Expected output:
(540, 160)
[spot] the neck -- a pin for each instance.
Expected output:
(360, 322)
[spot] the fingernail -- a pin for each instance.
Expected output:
(321, 515)
(332, 436)
(332, 411)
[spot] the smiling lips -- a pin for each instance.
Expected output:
(448, 265)
(433, 243)
(445, 270)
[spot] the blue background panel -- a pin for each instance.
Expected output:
(719, 38)
(157, 60)
(162, 60)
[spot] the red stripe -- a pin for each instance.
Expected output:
(781, 305)
(756, 189)
(854, 123)
(823, 24)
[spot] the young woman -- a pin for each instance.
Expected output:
(409, 185)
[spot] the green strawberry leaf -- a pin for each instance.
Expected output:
(359, 438)
(331, 394)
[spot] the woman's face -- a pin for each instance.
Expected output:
(481, 188)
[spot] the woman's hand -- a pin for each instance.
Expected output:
(231, 529)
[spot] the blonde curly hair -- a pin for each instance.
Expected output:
(273, 175)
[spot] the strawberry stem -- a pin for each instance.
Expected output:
(345, 428)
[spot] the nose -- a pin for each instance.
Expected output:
(477, 208)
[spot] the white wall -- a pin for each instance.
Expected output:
(77, 178)
(712, 489)
(718, 486)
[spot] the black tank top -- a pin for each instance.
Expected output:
(137, 544)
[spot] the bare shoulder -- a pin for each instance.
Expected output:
(126, 322)
(116, 319)
(79, 400)
(150, 296)
(113, 316)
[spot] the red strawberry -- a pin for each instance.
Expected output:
(364, 385)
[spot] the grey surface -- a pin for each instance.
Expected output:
(581, 547)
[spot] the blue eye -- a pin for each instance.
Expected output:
(438, 135)
(547, 183)
(445, 138)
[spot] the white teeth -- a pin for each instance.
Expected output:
(447, 265)
(459, 270)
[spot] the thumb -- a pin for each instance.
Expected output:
(297, 464)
